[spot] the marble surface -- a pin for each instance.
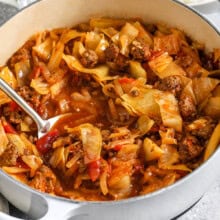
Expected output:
(208, 208)
(6, 11)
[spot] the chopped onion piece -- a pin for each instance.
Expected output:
(22, 69)
(15, 170)
(127, 34)
(78, 49)
(92, 40)
(30, 146)
(100, 73)
(57, 159)
(143, 34)
(40, 86)
(106, 23)
(44, 49)
(16, 140)
(203, 86)
(212, 107)
(92, 142)
(169, 110)
(8, 77)
(4, 139)
(213, 142)
(160, 63)
(136, 70)
(34, 162)
(56, 88)
(143, 104)
(91, 139)
(168, 137)
(151, 150)
(170, 158)
(144, 124)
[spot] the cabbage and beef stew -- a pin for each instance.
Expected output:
(144, 106)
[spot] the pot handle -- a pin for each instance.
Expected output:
(57, 210)
(65, 210)
(38, 205)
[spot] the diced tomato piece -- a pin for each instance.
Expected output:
(13, 106)
(8, 128)
(94, 170)
(44, 144)
(117, 147)
(35, 72)
(126, 80)
(20, 163)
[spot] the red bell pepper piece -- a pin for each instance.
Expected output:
(35, 72)
(126, 80)
(117, 147)
(13, 106)
(44, 144)
(94, 170)
(8, 128)
(21, 164)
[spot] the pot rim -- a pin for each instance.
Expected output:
(188, 7)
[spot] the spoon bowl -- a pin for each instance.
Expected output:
(43, 126)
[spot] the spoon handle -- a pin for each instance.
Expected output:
(23, 104)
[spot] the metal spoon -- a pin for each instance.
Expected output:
(43, 125)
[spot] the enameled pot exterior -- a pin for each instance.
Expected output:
(163, 204)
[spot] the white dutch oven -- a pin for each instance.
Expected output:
(160, 205)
